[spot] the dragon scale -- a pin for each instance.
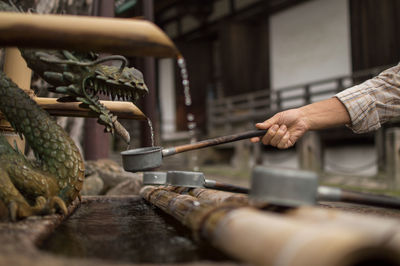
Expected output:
(59, 171)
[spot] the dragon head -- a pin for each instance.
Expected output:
(81, 77)
(83, 80)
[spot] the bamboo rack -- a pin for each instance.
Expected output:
(130, 37)
(303, 236)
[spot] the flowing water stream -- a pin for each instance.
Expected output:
(151, 131)
(190, 118)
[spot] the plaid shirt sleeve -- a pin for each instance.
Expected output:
(373, 102)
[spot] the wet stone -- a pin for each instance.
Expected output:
(112, 174)
(128, 187)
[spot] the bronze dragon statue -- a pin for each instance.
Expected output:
(55, 179)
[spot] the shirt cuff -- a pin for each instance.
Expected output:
(361, 108)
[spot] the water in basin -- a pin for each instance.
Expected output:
(126, 229)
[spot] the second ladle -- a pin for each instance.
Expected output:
(146, 158)
(197, 179)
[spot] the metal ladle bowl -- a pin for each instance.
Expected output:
(154, 178)
(142, 159)
(146, 158)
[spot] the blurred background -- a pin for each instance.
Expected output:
(248, 59)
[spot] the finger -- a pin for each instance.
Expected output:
(268, 123)
(284, 143)
(279, 135)
(255, 139)
(270, 134)
(263, 125)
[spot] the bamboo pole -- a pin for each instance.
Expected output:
(205, 194)
(123, 36)
(124, 110)
(16, 69)
(266, 238)
(187, 209)
(313, 214)
(218, 196)
(317, 215)
(387, 226)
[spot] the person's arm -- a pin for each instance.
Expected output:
(363, 108)
(325, 114)
(286, 127)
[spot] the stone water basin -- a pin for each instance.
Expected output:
(126, 229)
(105, 230)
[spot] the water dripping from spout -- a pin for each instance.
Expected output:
(190, 118)
(150, 124)
(185, 80)
(151, 130)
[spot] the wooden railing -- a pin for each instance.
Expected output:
(228, 114)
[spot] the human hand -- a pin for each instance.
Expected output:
(284, 129)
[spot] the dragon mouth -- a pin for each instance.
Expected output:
(118, 83)
(116, 88)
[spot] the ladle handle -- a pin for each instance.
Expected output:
(369, 199)
(212, 142)
(337, 194)
(225, 187)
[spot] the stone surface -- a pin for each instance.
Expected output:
(128, 187)
(110, 172)
(93, 185)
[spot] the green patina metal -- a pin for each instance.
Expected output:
(54, 180)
